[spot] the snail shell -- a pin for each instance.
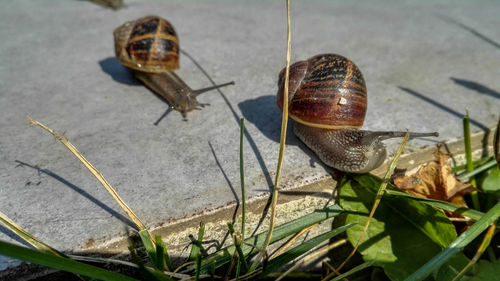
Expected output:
(326, 91)
(148, 44)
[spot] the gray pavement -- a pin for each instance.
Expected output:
(424, 63)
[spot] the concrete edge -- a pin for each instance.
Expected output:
(176, 233)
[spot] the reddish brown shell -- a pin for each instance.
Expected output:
(148, 44)
(325, 91)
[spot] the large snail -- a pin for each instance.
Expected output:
(327, 98)
(149, 47)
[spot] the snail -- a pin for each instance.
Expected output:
(149, 47)
(327, 99)
(113, 4)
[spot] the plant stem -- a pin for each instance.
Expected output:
(284, 123)
(242, 179)
(468, 156)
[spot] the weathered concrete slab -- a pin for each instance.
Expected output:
(424, 65)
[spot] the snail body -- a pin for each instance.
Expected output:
(327, 98)
(149, 47)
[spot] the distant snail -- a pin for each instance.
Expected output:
(149, 47)
(327, 98)
(113, 4)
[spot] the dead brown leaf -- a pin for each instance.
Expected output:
(435, 181)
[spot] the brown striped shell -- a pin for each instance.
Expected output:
(326, 91)
(148, 44)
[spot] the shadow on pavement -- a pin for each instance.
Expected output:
(80, 191)
(476, 87)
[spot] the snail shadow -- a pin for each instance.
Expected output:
(470, 29)
(122, 75)
(236, 117)
(264, 113)
(118, 72)
(80, 191)
(247, 135)
(266, 116)
(476, 87)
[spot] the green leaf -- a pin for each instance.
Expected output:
(449, 270)
(490, 183)
(59, 263)
(463, 240)
(487, 271)
(403, 234)
(466, 212)
(428, 220)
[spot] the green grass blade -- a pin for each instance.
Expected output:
(154, 275)
(242, 179)
(479, 169)
(238, 272)
(237, 244)
(468, 157)
(461, 168)
(349, 272)
(148, 245)
(160, 254)
(164, 254)
(225, 255)
(463, 240)
(466, 212)
(26, 236)
(196, 248)
(198, 267)
(59, 263)
(303, 248)
(496, 144)
(484, 245)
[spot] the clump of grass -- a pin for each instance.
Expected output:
(236, 257)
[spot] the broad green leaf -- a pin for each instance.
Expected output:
(490, 183)
(449, 270)
(403, 234)
(487, 271)
(428, 220)
(463, 240)
(466, 212)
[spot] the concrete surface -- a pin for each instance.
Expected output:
(424, 63)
